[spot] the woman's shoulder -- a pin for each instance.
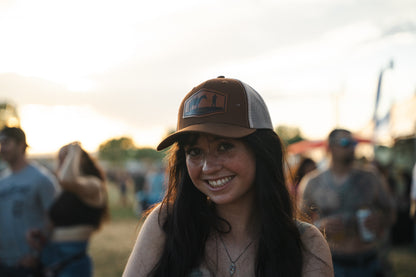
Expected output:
(153, 221)
(148, 246)
(310, 234)
(155, 217)
(316, 253)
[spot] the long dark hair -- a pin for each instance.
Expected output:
(90, 166)
(191, 217)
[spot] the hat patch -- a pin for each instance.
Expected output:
(203, 103)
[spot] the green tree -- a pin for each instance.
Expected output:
(8, 115)
(289, 134)
(117, 150)
(149, 154)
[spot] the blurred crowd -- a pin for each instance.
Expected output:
(50, 218)
(399, 183)
(362, 207)
(144, 186)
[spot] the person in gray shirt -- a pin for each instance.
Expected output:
(351, 205)
(26, 193)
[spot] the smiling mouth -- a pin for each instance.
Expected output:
(219, 182)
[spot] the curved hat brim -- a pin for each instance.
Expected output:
(217, 129)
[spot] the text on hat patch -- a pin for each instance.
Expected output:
(204, 103)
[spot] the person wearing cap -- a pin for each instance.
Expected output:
(26, 193)
(352, 206)
(227, 210)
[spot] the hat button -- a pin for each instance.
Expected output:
(221, 76)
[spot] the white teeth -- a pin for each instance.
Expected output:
(219, 182)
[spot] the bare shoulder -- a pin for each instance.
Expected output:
(154, 221)
(316, 254)
(311, 237)
(149, 245)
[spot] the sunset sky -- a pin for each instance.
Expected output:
(93, 70)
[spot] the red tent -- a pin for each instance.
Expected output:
(307, 145)
(304, 145)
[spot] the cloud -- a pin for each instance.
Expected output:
(407, 27)
(134, 61)
(28, 90)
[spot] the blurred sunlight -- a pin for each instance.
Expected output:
(92, 70)
(76, 123)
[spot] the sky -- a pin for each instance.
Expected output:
(94, 70)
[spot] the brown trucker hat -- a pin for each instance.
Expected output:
(223, 107)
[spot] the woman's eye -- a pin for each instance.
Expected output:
(193, 152)
(224, 146)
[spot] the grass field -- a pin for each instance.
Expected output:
(111, 246)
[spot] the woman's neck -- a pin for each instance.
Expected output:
(241, 219)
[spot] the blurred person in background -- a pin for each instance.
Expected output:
(76, 214)
(227, 210)
(139, 180)
(402, 230)
(304, 166)
(154, 187)
(413, 202)
(122, 181)
(338, 199)
(26, 193)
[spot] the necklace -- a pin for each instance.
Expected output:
(233, 266)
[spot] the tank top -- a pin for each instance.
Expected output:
(70, 210)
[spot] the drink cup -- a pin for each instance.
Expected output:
(366, 235)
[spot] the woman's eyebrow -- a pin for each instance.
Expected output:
(217, 138)
(210, 138)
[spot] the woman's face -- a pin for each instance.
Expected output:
(222, 168)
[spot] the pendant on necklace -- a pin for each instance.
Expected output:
(232, 268)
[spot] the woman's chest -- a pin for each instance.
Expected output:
(222, 260)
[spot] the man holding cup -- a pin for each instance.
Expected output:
(351, 206)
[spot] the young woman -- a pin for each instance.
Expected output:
(227, 211)
(77, 212)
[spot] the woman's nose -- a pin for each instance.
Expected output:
(211, 163)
